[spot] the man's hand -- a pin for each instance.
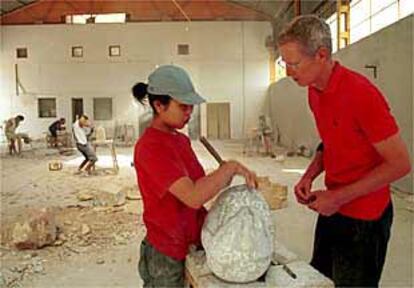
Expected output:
(303, 190)
(325, 203)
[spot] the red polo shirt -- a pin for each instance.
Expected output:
(160, 159)
(351, 114)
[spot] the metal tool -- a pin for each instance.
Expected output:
(211, 149)
(288, 271)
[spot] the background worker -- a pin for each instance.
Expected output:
(80, 128)
(12, 137)
(172, 181)
(266, 133)
(361, 153)
(58, 125)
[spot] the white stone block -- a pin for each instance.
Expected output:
(306, 276)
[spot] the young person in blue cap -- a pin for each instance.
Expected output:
(172, 182)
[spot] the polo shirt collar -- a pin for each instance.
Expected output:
(334, 80)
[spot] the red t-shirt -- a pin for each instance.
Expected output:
(160, 159)
(351, 114)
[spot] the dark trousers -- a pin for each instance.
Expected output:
(159, 270)
(351, 251)
(87, 152)
(53, 132)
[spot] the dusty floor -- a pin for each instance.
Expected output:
(105, 255)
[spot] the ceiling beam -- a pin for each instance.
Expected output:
(23, 6)
(181, 10)
(283, 8)
(250, 8)
(48, 11)
(161, 13)
(70, 4)
(139, 10)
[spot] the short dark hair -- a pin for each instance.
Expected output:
(20, 117)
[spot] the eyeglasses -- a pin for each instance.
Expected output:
(293, 66)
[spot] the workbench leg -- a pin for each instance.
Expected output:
(189, 279)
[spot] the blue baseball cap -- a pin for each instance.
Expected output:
(173, 81)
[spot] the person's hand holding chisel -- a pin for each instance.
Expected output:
(237, 168)
(232, 166)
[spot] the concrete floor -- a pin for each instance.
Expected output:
(27, 183)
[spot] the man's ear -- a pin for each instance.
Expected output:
(323, 53)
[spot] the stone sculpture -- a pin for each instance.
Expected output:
(237, 235)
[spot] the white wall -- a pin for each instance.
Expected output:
(228, 61)
(391, 50)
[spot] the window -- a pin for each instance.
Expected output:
(110, 18)
(21, 53)
(406, 8)
(102, 108)
(114, 51)
(77, 51)
(384, 17)
(47, 107)
(359, 32)
(380, 5)
(183, 49)
(333, 24)
(96, 18)
(280, 69)
(369, 16)
(360, 12)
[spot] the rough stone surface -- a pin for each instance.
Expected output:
(133, 207)
(36, 232)
(131, 192)
(275, 194)
(238, 220)
(281, 255)
(85, 229)
(84, 195)
(2, 280)
(104, 198)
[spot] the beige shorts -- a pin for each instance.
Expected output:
(10, 135)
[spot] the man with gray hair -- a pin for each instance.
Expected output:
(361, 153)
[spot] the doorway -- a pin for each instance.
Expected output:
(218, 120)
(77, 108)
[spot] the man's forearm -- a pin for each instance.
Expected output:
(316, 167)
(378, 177)
(396, 164)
